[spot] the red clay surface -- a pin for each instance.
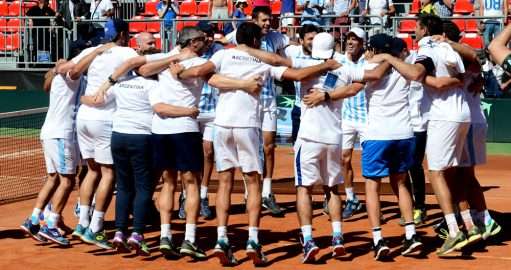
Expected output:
(278, 235)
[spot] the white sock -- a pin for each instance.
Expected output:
(34, 218)
(96, 223)
(53, 219)
(376, 235)
(190, 232)
(222, 234)
(84, 216)
(450, 219)
(266, 188)
(203, 192)
(467, 219)
(165, 231)
(253, 234)
(336, 228)
(47, 211)
(409, 230)
(307, 232)
(350, 195)
(487, 218)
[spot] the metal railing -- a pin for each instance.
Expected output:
(24, 46)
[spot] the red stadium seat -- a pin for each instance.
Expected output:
(4, 8)
(473, 40)
(150, 8)
(3, 25)
(10, 42)
(155, 26)
(133, 43)
(415, 8)
(203, 8)
(14, 25)
(187, 8)
(14, 8)
(137, 26)
(463, 7)
(460, 23)
(407, 26)
(249, 8)
(157, 41)
(275, 7)
(407, 38)
(27, 5)
(471, 26)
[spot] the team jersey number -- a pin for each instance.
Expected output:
(492, 4)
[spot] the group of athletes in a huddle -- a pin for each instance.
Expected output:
(163, 116)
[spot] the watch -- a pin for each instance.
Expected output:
(111, 80)
(327, 96)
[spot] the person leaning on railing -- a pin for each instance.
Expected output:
(40, 31)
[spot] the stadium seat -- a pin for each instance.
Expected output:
(203, 8)
(187, 8)
(158, 41)
(14, 8)
(275, 7)
(473, 40)
(3, 25)
(14, 25)
(407, 26)
(415, 8)
(150, 8)
(460, 23)
(155, 26)
(407, 38)
(133, 42)
(471, 26)
(137, 27)
(463, 7)
(181, 24)
(27, 5)
(4, 8)
(9, 42)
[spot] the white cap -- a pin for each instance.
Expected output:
(323, 46)
(358, 32)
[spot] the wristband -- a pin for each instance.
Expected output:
(327, 96)
(111, 80)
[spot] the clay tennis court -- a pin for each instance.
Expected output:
(278, 235)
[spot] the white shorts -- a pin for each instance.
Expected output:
(94, 138)
(317, 163)
(60, 155)
(288, 21)
(350, 131)
(238, 148)
(207, 127)
(474, 151)
(444, 145)
(269, 117)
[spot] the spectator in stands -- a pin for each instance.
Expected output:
(100, 10)
(218, 9)
(40, 32)
(342, 9)
(239, 13)
(70, 11)
(288, 9)
(380, 9)
(311, 9)
(427, 7)
(495, 79)
(491, 8)
(443, 8)
(167, 10)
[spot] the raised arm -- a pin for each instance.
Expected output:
(498, 47)
(376, 73)
(150, 68)
(197, 71)
(84, 63)
(48, 78)
(304, 73)
(412, 72)
(267, 57)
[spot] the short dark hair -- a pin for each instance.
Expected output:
(247, 33)
(451, 31)
(432, 23)
(121, 26)
(308, 28)
(260, 9)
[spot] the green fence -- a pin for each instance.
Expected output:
(498, 113)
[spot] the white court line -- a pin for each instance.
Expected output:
(24, 153)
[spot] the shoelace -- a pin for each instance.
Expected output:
(443, 234)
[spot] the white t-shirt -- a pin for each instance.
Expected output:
(445, 105)
(184, 93)
(97, 14)
(376, 7)
(60, 118)
(418, 116)
(99, 70)
(297, 55)
(473, 100)
(388, 113)
(322, 123)
(133, 114)
(238, 108)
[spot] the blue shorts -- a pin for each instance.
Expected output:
(383, 158)
(181, 152)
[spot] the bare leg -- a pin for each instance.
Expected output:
(191, 181)
(166, 197)
(223, 196)
(254, 198)
(61, 195)
(47, 191)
